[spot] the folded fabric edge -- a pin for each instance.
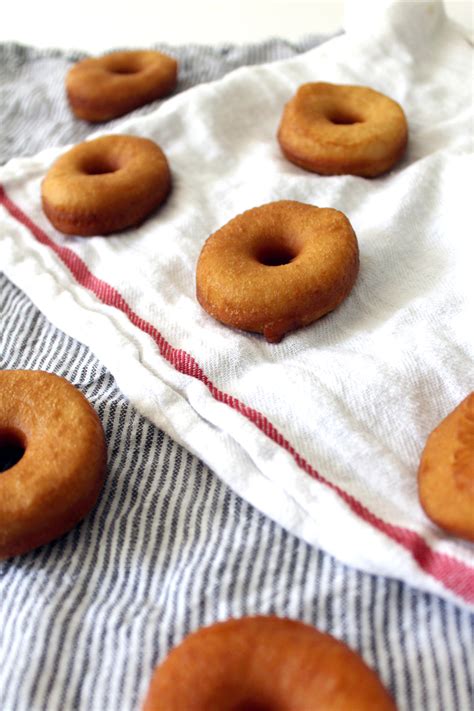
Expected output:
(433, 570)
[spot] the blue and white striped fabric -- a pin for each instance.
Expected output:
(169, 547)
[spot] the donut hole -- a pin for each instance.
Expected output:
(99, 166)
(12, 448)
(124, 65)
(252, 705)
(124, 70)
(275, 255)
(343, 118)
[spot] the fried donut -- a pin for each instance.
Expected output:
(342, 130)
(102, 88)
(264, 664)
(277, 267)
(52, 459)
(446, 472)
(105, 185)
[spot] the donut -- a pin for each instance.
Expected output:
(52, 459)
(105, 185)
(446, 472)
(264, 664)
(333, 129)
(277, 267)
(102, 88)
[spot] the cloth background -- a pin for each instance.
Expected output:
(170, 547)
(328, 425)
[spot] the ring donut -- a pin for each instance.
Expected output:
(277, 267)
(264, 664)
(342, 130)
(52, 459)
(102, 88)
(446, 472)
(105, 185)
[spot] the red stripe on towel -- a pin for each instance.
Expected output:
(453, 574)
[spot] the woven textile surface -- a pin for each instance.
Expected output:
(377, 374)
(169, 547)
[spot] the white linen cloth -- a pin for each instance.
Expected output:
(322, 432)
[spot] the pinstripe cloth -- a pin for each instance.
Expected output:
(169, 547)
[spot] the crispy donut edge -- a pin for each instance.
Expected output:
(274, 330)
(115, 101)
(107, 218)
(227, 647)
(442, 500)
(95, 455)
(288, 139)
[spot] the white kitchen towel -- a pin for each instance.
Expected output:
(322, 432)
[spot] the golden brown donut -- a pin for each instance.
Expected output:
(333, 129)
(52, 459)
(277, 267)
(105, 185)
(102, 88)
(264, 664)
(446, 472)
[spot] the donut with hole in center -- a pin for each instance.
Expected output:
(52, 459)
(102, 88)
(333, 129)
(105, 185)
(277, 267)
(264, 664)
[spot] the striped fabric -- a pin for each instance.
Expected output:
(170, 548)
